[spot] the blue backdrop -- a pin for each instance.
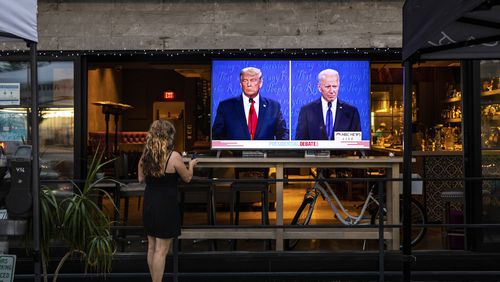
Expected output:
(354, 87)
(275, 75)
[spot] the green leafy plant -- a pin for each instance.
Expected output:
(79, 222)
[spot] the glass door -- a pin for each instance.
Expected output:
(490, 147)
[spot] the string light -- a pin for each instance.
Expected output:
(371, 53)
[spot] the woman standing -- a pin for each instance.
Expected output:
(160, 168)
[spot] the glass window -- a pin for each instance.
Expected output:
(56, 127)
(490, 143)
(57, 142)
(15, 72)
(56, 112)
(56, 83)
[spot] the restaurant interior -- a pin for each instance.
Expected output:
(140, 92)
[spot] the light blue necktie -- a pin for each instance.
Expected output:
(329, 122)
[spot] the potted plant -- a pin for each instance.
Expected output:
(79, 222)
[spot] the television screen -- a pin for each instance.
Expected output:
(290, 104)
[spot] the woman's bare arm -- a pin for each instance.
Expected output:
(140, 171)
(186, 174)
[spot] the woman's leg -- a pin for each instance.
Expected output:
(151, 252)
(160, 255)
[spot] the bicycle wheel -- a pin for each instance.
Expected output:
(418, 216)
(302, 217)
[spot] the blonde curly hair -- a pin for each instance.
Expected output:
(159, 144)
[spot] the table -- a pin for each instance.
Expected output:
(391, 164)
(116, 109)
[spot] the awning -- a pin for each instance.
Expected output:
(18, 20)
(451, 29)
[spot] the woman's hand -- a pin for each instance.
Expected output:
(180, 167)
(193, 162)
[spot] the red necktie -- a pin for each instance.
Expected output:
(252, 119)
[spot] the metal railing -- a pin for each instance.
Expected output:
(231, 230)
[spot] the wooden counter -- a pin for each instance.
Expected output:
(391, 164)
(387, 149)
(436, 153)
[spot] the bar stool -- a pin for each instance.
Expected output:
(127, 191)
(208, 188)
(249, 186)
(134, 189)
(453, 238)
(199, 187)
(237, 188)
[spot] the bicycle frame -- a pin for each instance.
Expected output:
(321, 186)
(349, 219)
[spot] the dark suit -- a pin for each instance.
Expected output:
(230, 122)
(311, 125)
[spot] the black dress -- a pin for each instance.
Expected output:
(161, 213)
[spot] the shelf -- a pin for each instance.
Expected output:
(387, 100)
(488, 102)
(489, 93)
(387, 115)
(490, 151)
(493, 118)
(453, 120)
(453, 100)
(386, 149)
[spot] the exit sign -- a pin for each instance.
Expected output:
(168, 95)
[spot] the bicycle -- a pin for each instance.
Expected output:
(371, 204)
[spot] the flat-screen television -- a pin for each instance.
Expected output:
(290, 104)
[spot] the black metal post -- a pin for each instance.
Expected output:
(471, 121)
(115, 144)
(116, 198)
(407, 156)
(35, 162)
(80, 124)
(381, 253)
(106, 145)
